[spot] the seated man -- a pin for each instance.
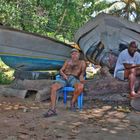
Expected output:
(128, 67)
(72, 74)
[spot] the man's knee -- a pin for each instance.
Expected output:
(55, 87)
(79, 87)
(133, 71)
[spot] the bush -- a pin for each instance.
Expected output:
(6, 74)
(4, 79)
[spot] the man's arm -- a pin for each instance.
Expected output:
(130, 66)
(81, 77)
(62, 70)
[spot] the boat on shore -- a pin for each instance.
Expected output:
(102, 38)
(31, 52)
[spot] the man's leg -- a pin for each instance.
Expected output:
(132, 80)
(138, 75)
(78, 89)
(54, 89)
(52, 111)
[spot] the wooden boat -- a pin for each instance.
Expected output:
(26, 51)
(102, 38)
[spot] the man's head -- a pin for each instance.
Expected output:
(75, 54)
(74, 50)
(132, 48)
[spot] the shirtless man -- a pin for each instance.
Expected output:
(128, 67)
(72, 74)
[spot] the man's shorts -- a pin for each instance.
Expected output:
(71, 81)
(120, 75)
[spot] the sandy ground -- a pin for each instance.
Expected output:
(23, 120)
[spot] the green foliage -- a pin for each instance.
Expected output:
(6, 74)
(4, 79)
(57, 19)
(25, 15)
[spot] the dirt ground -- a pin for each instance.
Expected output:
(22, 119)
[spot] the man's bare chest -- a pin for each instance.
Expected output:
(74, 67)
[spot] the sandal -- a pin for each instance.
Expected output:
(72, 107)
(50, 113)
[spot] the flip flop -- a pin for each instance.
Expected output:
(72, 107)
(50, 113)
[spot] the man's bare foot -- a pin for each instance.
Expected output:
(134, 95)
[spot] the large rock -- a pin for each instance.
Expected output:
(31, 84)
(22, 88)
(6, 91)
(106, 88)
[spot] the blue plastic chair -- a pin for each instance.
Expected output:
(65, 91)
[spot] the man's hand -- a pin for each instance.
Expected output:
(83, 81)
(65, 77)
(131, 66)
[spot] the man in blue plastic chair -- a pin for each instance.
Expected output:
(72, 74)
